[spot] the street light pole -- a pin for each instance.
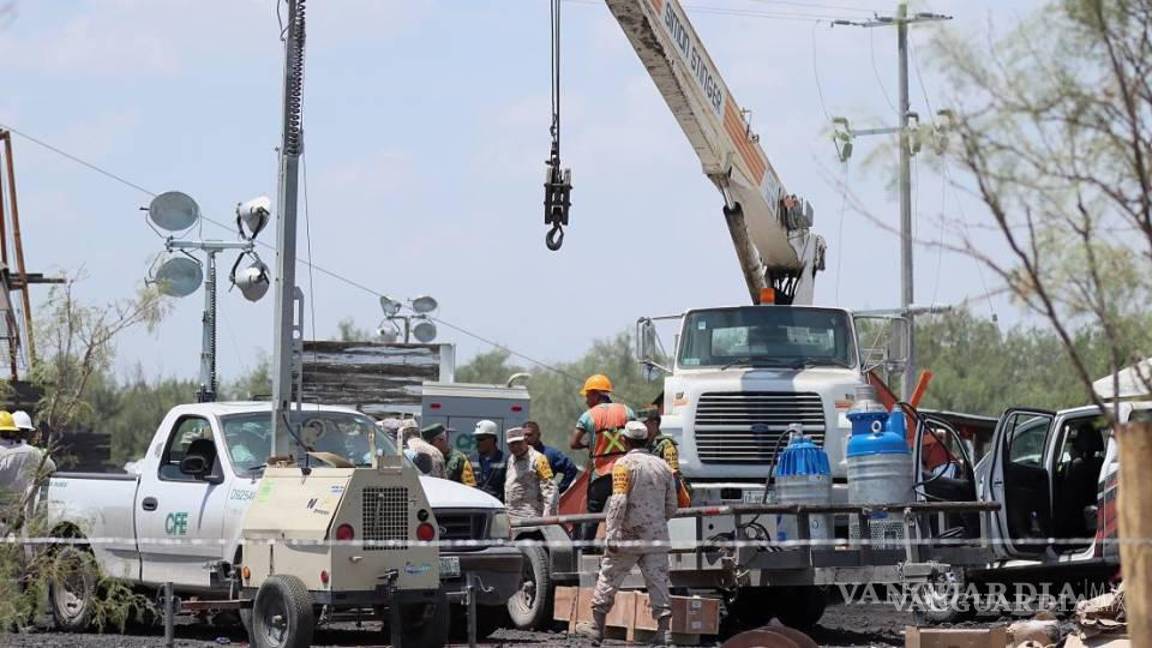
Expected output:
(284, 346)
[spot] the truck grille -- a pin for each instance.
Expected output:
(743, 427)
(385, 517)
(462, 525)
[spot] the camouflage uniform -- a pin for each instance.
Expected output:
(643, 499)
(458, 468)
(529, 490)
(665, 447)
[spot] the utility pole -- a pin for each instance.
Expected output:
(904, 130)
(284, 345)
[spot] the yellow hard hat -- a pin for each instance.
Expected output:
(7, 423)
(599, 383)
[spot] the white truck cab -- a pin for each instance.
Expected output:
(740, 375)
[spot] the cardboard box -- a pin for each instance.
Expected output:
(915, 637)
(695, 615)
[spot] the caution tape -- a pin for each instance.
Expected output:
(622, 545)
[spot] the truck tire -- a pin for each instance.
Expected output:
(426, 624)
(799, 607)
(282, 615)
(942, 601)
(531, 607)
(73, 588)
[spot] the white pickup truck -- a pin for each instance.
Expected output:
(162, 525)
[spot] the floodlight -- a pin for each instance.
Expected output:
(424, 331)
(390, 306)
(424, 304)
(388, 332)
(253, 214)
(173, 211)
(179, 276)
(253, 281)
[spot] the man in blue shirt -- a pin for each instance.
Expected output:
(561, 464)
(490, 477)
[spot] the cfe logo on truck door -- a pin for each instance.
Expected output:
(176, 524)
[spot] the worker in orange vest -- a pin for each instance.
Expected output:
(604, 423)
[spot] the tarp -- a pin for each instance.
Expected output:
(1133, 382)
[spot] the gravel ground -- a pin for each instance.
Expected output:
(842, 626)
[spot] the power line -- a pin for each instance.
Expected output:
(816, 73)
(307, 262)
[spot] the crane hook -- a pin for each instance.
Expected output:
(554, 238)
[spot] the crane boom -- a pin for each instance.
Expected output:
(770, 228)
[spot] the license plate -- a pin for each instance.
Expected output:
(753, 497)
(449, 566)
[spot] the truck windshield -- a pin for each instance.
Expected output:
(768, 336)
(249, 437)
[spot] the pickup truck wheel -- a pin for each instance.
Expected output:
(282, 616)
(799, 607)
(426, 624)
(531, 607)
(72, 588)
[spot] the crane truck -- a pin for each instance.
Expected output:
(741, 376)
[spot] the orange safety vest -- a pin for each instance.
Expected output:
(608, 444)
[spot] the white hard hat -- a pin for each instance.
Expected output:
(22, 420)
(635, 430)
(486, 428)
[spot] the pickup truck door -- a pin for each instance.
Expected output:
(1020, 482)
(174, 509)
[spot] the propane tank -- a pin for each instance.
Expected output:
(803, 476)
(879, 472)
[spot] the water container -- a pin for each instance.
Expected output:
(879, 472)
(803, 476)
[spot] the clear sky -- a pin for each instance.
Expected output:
(426, 131)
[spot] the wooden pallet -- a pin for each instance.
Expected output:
(693, 617)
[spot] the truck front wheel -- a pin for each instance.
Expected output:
(531, 607)
(72, 588)
(282, 615)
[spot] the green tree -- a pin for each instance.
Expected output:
(490, 367)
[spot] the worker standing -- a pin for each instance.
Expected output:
(529, 489)
(559, 462)
(457, 467)
(22, 465)
(604, 422)
(428, 458)
(492, 470)
(643, 500)
(665, 447)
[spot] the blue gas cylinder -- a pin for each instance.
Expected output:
(803, 476)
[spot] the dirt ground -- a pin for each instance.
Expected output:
(842, 626)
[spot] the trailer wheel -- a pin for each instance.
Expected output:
(531, 607)
(73, 588)
(282, 615)
(799, 607)
(942, 601)
(426, 624)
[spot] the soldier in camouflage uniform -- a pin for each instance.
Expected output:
(643, 500)
(457, 467)
(426, 456)
(529, 489)
(665, 447)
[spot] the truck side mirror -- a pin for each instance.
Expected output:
(883, 341)
(648, 349)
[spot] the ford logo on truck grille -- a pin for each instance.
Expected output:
(761, 428)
